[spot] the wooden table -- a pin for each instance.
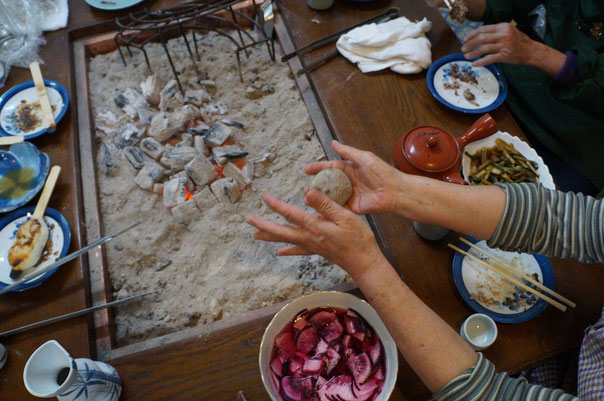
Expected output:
(366, 111)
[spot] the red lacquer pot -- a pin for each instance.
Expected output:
(433, 152)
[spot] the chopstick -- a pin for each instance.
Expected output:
(517, 272)
(510, 278)
(448, 4)
(318, 62)
(11, 140)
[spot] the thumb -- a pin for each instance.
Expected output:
(347, 152)
(325, 206)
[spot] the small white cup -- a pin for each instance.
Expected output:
(479, 330)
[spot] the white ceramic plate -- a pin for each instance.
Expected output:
(486, 91)
(525, 150)
(29, 96)
(333, 299)
(7, 238)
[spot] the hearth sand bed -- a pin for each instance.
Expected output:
(217, 270)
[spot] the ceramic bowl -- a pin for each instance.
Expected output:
(26, 93)
(333, 299)
(525, 150)
(22, 155)
(479, 330)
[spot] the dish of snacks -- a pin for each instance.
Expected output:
(453, 81)
(459, 10)
(487, 292)
(502, 158)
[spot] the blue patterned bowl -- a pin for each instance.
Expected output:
(22, 155)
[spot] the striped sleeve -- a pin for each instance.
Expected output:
(552, 223)
(482, 383)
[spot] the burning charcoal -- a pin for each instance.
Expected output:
(200, 128)
(248, 171)
(135, 157)
(201, 170)
(186, 140)
(129, 135)
(145, 115)
(204, 199)
(186, 212)
(164, 125)
(223, 154)
(234, 172)
(215, 108)
(170, 97)
(197, 97)
(226, 190)
(165, 158)
(262, 164)
(161, 265)
(233, 123)
(151, 89)
(108, 159)
(199, 144)
(158, 188)
(185, 114)
(218, 134)
(174, 192)
(130, 101)
(106, 122)
(151, 173)
(152, 148)
(268, 88)
(208, 83)
(179, 157)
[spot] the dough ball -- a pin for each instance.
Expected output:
(334, 183)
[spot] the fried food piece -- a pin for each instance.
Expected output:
(459, 10)
(28, 246)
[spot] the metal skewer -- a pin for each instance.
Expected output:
(385, 16)
(66, 259)
(73, 314)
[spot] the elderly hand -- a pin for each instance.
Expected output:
(374, 182)
(499, 43)
(336, 233)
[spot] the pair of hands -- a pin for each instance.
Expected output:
(336, 233)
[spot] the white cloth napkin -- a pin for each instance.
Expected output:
(399, 44)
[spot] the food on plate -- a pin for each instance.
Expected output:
(328, 353)
(28, 116)
(470, 97)
(334, 183)
(29, 244)
(464, 74)
(501, 163)
(459, 10)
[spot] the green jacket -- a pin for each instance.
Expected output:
(567, 120)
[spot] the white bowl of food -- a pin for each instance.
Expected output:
(474, 148)
(325, 345)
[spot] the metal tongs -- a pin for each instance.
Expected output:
(65, 259)
(383, 17)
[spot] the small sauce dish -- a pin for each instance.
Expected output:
(479, 330)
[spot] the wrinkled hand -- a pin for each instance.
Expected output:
(499, 43)
(336, 233)
(374, 182)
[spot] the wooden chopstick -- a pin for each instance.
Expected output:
(11, 140)
(517, 272)
(36, 74)
(511, 278)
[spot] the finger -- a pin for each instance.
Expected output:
(294, 250)
(284, 233)
(479, 40)
(291, 213)
(314, 168)
(482, 50)
(348, 152)
(489, 59)
(325, 206)
(264, 236)
(482, 30)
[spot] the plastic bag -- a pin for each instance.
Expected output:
(21, 24)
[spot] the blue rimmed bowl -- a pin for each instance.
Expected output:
(58, 233)
(28, 159)
(26, 93)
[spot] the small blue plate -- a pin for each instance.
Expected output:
(112, 4)
(22, 155)
(58, 232)
(490, 93)
(26, 93)
(538, 306)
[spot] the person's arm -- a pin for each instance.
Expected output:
(433, 349)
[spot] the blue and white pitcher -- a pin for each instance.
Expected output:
(52, 372)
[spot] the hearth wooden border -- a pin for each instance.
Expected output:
(98, 39)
